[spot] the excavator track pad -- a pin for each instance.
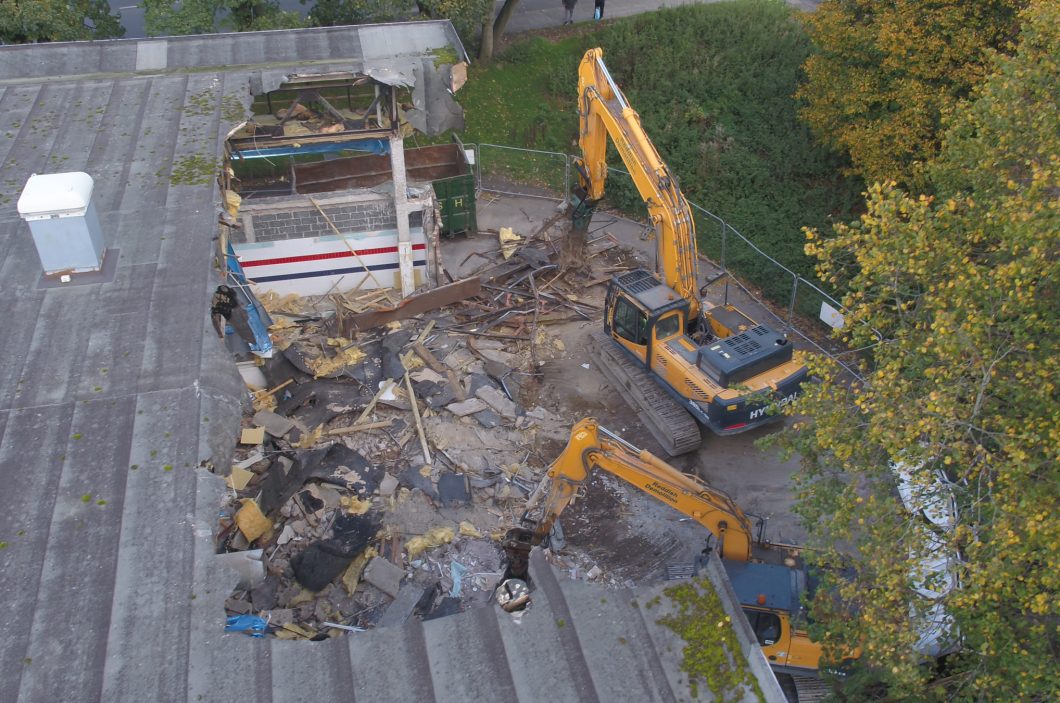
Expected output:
(672, 426)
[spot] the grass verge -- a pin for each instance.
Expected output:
(713, 85)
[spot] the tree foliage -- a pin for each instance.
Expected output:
(167, 18)
(257, 15)
(467, 16)
(885, 73)
(26, 21)
(328, 13)
(955, 294)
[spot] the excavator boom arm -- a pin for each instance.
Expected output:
(604, 111)
(594, 447)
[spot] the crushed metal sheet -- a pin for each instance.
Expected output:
(391, 76)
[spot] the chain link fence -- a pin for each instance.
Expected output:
(506, 170)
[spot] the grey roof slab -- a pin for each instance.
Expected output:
(31, 461)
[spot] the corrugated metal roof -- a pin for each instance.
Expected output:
(113, 395)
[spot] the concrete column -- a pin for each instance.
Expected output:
(401, 209)
(248, 228)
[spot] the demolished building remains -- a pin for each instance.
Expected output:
(378, 437)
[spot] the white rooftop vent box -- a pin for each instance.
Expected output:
(62, 219)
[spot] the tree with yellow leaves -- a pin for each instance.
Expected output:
(952, 303)
(885, 73)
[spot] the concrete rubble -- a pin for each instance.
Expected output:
(394, 457)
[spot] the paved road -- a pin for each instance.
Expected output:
(531, 14)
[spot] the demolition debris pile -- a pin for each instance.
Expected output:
(391, 447)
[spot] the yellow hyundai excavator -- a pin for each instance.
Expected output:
(769, 593)
(676, 359)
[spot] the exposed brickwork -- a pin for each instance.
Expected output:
(292, 217)
(297, 223)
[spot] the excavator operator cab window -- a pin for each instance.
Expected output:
(668, 326)
(765, 625)
(630, 322)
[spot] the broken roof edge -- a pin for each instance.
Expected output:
(752, 651)
(152, 55)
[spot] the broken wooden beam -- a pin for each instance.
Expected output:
(359, 428)
(411, 306)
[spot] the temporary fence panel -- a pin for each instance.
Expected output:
(514, 171)
(813, 303)
(742, 257)
(710, 234)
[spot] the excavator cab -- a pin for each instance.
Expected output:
(771, 598)
(641, 312)
(721, 368)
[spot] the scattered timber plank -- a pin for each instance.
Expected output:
(426, 331)
(428, 358)
(359, 428)
(416, 417)
(455, 385)
(345, 241)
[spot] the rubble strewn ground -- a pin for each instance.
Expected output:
(367, 521)
(392, 461)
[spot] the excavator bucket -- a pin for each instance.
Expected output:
(517, 544)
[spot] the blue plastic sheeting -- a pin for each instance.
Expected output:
(259, 319)
(374, 146)
(250, 624)
(457, 571)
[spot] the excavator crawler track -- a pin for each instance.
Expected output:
(671, 425)
(803, 689)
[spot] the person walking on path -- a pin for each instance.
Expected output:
(568, 5)
(598, 13)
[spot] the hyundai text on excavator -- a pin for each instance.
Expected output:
(769, 593)
(676, 359)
